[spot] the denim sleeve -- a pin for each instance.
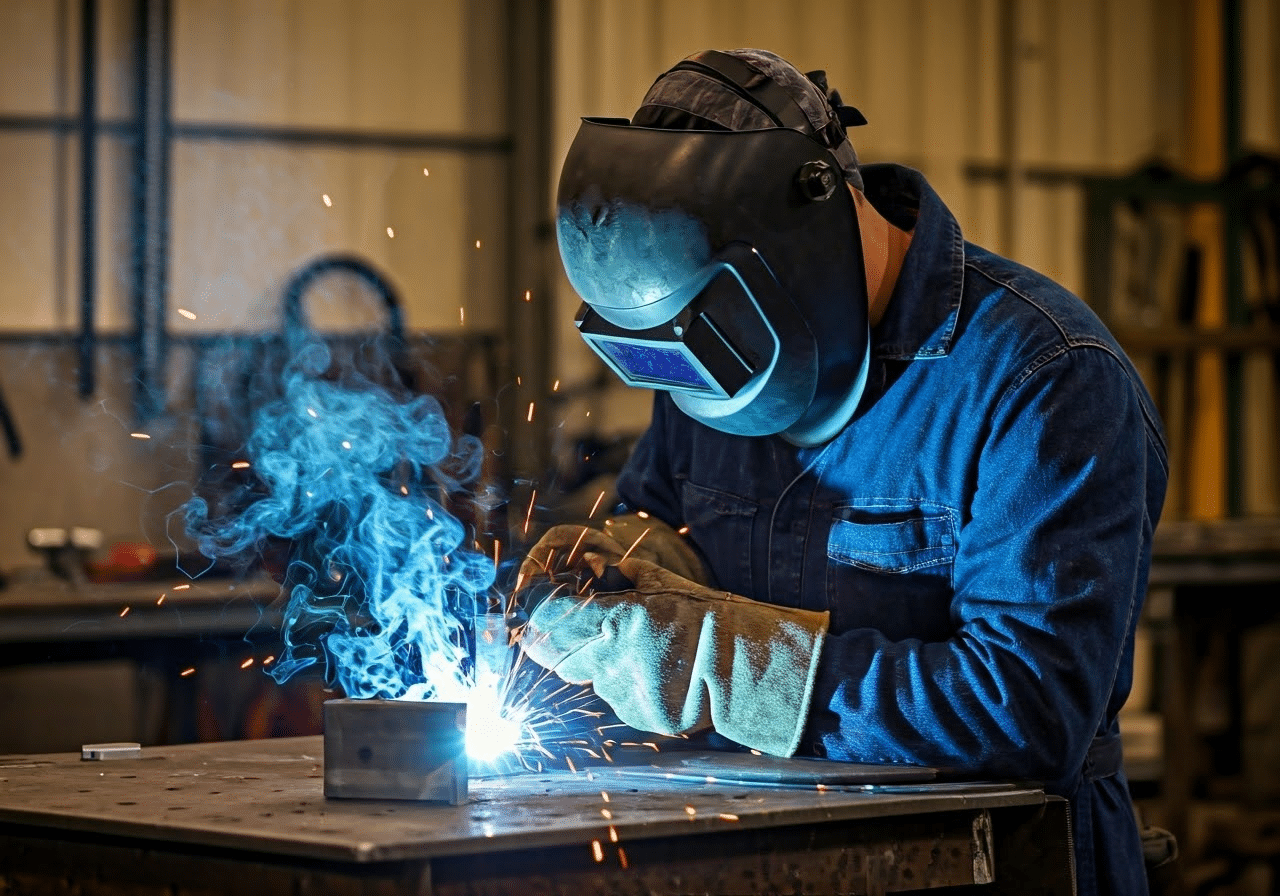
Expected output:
(1048, 579)
(646, 481)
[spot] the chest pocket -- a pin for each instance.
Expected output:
(889, 566)
(893, 538)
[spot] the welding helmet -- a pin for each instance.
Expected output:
(716, 249)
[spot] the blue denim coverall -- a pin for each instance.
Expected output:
(980, 531)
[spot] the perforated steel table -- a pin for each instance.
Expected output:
(250, 817)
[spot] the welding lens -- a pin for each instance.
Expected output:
(658, 365)
(713, 347)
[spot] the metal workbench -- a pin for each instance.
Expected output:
(250, 817)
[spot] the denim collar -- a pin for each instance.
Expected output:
(920, 320)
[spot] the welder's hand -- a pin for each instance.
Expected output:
(561, 549)
(671, 656)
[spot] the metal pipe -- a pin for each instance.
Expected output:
(151, 206)
(10, 430)
(530, 232)
(87, 341)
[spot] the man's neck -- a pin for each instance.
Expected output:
(884, 246)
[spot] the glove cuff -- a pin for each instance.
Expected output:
(765, 699)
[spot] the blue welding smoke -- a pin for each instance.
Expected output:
(353, 479)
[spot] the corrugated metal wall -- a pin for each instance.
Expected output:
(1003, 104)
(246, 210)
(245, 213)
(297, 128)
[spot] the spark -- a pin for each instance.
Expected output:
(597, 850)
(555, 387)
(573, 768)
(633, 545)
(528, 295)
(160, 599)
(604, 795)
(462, 316)
(690, 811)
(576, 545)
(269, 660)
(477, 244)
(606, 814)
(181, 587)
(404, 490)
(529, 513)
(328, 203)
(683, 530)
(391, 233)
(650, 744)
(596, 506)
(240, 465)
(497, 548)
(247, 663)
(124, 612)
(642, 514)
(529, 417)
(821, 788)
(622, 857)
(312, 412)
(613, 834)
(346, 444)
(188, 671)
(426, 173)
(189, 315)
(728, 816)
(139, 435)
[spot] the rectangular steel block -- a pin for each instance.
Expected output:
(395, 750)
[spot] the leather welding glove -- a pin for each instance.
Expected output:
(563, 546)
(673, 657)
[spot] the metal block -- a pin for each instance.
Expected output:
(395, 750)
(119, 750)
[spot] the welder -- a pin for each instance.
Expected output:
(896, 500)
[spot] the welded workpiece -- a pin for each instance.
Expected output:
(395, 750)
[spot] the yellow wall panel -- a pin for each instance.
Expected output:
(382, 65)
(1261, 74)
(246, 217)
(34, 261)
(29, 42)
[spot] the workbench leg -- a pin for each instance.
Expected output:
(1032, 852)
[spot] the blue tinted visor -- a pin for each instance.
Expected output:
(669, 366)
(716, 343)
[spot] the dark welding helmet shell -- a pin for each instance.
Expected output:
(731, 257)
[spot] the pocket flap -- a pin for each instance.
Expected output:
(895, 539)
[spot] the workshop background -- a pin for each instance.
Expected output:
(175, 175)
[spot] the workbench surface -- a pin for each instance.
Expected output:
(265, 798)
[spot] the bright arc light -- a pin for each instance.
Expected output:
(490, 734)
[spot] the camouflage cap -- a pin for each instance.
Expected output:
(745, 89)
